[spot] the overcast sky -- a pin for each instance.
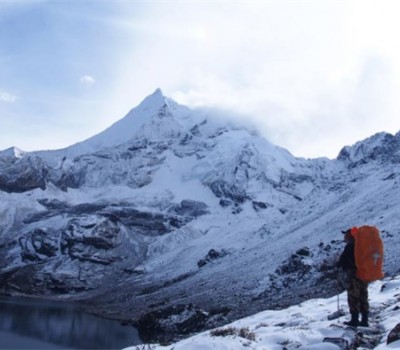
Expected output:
(314, 75)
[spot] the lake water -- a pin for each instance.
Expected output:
(34, 324)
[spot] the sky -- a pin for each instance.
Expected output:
(314, 75)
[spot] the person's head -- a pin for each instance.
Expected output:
(348, 234)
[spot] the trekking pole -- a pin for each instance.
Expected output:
(338, 313)
(338, 306)
(338, 288)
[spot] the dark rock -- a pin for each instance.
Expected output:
(87, 208)
(257, 206)
(22, 175)
(392, 176)
(394, 334)
(165, 324)
(74, 177)
(44, 243)
(213, 254)
(222, 189)
(186, 139)
(39, 216)
(65, 284)
(54, 204)
(342, 343)
(148, 223)
(237, 209)
(153, 223)
(303, 251)
(39, 245)
(225, 202)
(327, 248)
(60, 208)
(191, 208)
(295, 264)
(139, 145)
(90, 243)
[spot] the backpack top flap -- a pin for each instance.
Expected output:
(368, 252)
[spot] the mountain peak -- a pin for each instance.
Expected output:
(154, 101)
(13, 152)
(126, 128)
(157, 92)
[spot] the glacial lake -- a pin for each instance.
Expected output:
(37, 324)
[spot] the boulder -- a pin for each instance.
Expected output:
(394, 334)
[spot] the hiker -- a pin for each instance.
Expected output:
(357, 290)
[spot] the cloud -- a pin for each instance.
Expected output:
(87, 81)
(269, 61)
(7, 97)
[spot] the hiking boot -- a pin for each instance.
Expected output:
(364, 319)
(354, 320)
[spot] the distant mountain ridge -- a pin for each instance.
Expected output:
(381, 145)
(179, 220)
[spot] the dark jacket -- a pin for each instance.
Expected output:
(347, 260)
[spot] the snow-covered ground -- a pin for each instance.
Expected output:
(303, 326)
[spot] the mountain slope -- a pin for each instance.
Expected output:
(179, 220)
(305, 326)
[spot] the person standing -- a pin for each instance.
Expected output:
(357, 290)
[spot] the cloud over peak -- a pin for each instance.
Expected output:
(87, 81)
(7, 97)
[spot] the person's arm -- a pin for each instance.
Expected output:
(346, 260)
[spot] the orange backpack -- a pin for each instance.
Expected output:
(368, 253)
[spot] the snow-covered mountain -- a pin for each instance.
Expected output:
(178, 220)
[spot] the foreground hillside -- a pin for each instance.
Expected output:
(305, 327)
(179, 220)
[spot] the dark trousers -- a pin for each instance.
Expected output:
(357, 295)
